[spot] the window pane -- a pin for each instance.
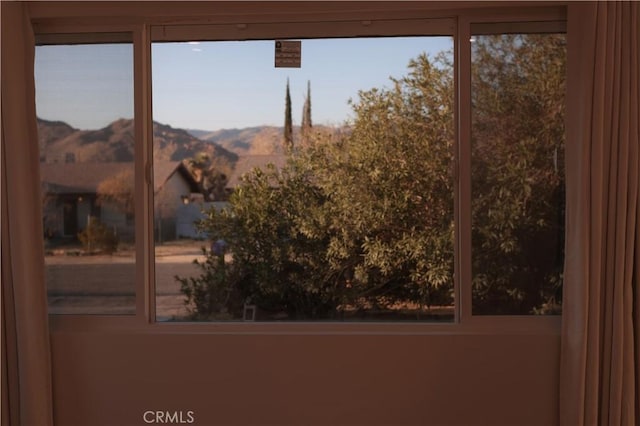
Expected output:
(518, 87)
(84, 102)
(326, 190)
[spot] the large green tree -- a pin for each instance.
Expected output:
(355, 221)
(390, 211)
(518, 172)
(362, 220)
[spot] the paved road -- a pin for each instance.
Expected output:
(106, 284)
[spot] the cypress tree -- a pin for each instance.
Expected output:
(288, 126)
(306, 111)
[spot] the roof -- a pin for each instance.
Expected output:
(84, 178)
(247, 163)
(163, 170)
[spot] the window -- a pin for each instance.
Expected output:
(351, 188)
(327, 190)
(84, 102)
(517, 171)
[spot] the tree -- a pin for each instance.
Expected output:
(363, 220)
(349, 223)
(211, 181)
(288, 125)
(306, 125)
(518, 172)
(391, 210)
(118, 191)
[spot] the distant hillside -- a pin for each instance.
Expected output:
(262, 140)
(59, 142)
(177, 144)
(51, 131)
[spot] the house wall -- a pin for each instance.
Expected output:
(112, 375)
(189, 214)
(169, 198)
(168, 202)
(113, 217)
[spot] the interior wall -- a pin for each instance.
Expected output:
(112, 378)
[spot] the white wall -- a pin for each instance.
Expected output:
(168, 201)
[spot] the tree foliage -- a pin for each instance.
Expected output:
(362, 221)
(210, 179)
(118, 191)
(518, 172)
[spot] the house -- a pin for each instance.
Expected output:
(70, 196)
(194, 210)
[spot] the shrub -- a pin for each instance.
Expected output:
(212, 295)
(97, 237)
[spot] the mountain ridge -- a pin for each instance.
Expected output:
(60, 142)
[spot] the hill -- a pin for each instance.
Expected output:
(60, 142)
(261, 140)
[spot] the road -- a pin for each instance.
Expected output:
(106, 284)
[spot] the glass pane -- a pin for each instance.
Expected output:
(315, 193)
(518, 89)
(84, 102)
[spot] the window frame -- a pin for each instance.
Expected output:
(146, 30)
(546, 21)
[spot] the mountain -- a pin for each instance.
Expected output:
(176, 144)
(60, 142)
(50, 131)
(261, 140)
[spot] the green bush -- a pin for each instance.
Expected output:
(212, 295)
(97, 237)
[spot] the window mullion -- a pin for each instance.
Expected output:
(463, 56)
(145, 288)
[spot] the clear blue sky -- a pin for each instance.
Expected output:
(215, 85)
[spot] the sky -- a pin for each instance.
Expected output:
(219, 85)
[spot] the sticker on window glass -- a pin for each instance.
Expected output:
(288, 53)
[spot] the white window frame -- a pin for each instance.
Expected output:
(458, 24)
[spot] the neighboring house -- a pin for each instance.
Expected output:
(174, 186)
(69, 196)
(193, 211)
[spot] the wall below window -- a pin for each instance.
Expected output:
(108, 378)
